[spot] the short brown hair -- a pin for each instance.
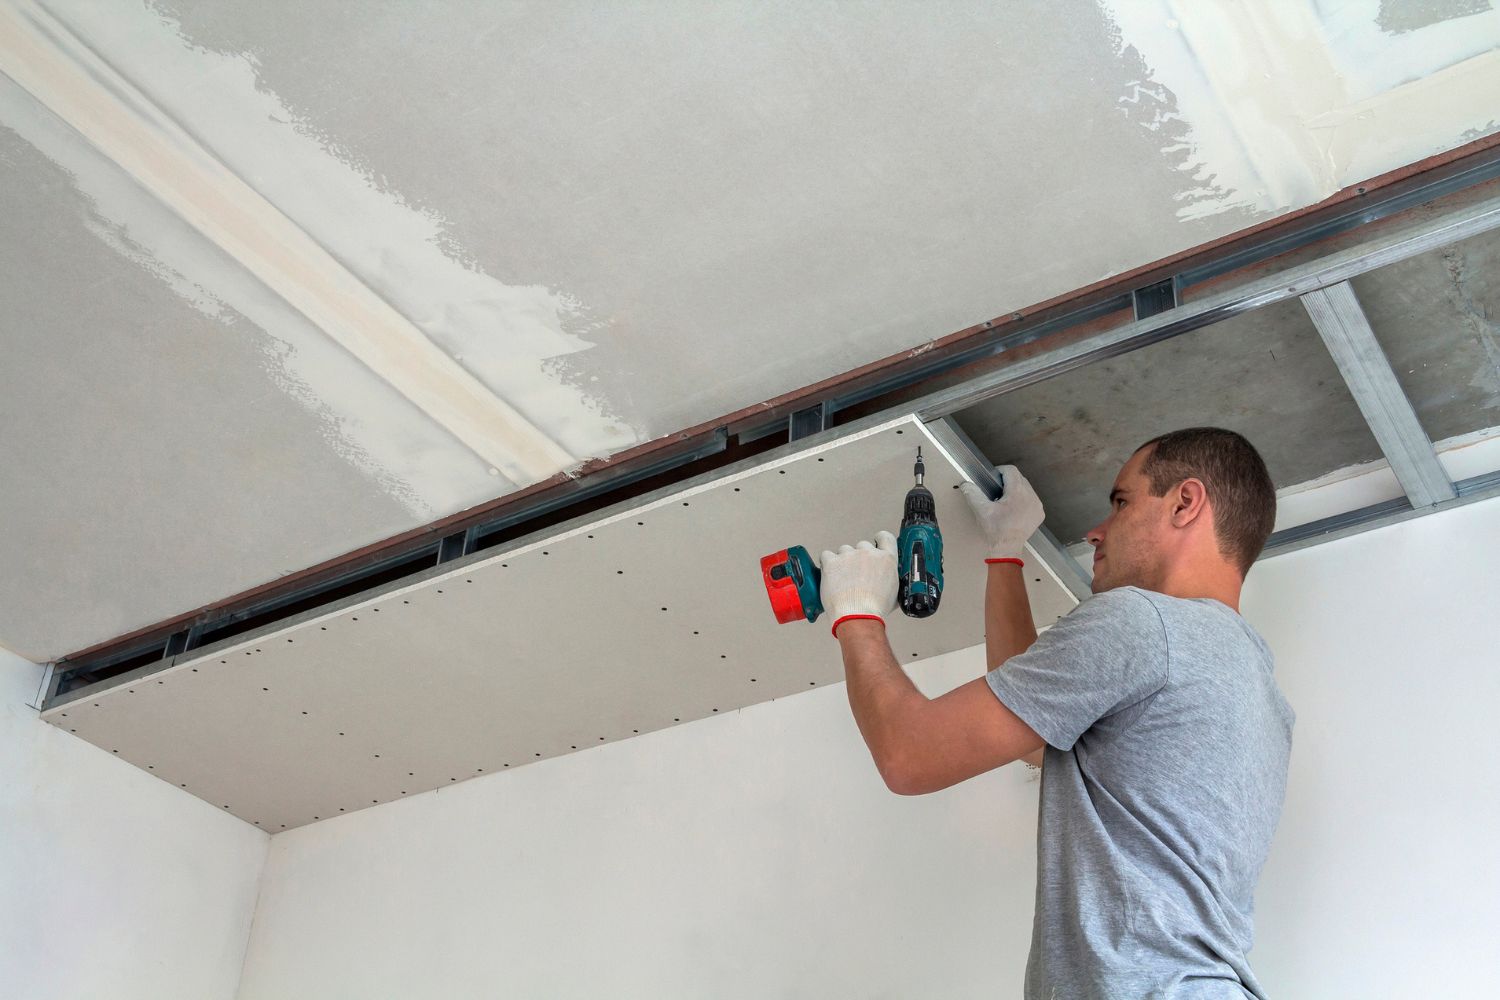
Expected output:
(1238, 485)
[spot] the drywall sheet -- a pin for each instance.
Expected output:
(642, 618)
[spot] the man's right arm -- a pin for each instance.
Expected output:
(1006, 525)
(1008, 627)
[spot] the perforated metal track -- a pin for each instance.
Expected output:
(648, 617)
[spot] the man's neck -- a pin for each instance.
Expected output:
(1216, 581)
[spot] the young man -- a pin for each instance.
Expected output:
(1163, 734)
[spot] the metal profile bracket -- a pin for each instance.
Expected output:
(179, 642)
(47, 686)
(1346, 332)
(964, 453)
(809, 421)
(1157, 298)
(458, 544)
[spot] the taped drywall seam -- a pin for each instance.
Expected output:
(1455, 103)
(42, 56)
(1290, 102)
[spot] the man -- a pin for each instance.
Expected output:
(1163, 736)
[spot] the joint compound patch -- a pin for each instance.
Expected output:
(313, 250)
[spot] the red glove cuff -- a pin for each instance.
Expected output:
(1018, 562)
(850, 618)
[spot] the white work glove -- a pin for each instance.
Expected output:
(1008, 522)
(860, 581)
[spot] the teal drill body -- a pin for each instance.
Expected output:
(920, 550)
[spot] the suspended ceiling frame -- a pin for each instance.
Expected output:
(1321, 285)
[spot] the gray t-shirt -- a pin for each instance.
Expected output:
(1162, 784)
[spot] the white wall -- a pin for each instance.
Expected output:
(758, 854)
(752, 855)
(113, 884)
(1384, 880)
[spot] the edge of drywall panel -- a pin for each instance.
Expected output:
(792, 452)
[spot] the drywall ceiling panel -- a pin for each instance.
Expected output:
(647, 617)
(1265, 374)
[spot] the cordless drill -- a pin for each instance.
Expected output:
(920, 549)
(792, 580)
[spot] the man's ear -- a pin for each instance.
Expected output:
(1189, 502)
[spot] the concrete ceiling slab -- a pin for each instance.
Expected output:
(1437, 316)
(1265, 374)
(649, 616)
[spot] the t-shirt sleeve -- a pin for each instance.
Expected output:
(1105, 655)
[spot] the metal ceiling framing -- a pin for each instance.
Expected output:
(1346, 333)
(1388, 248)
(1364, 367)
(1311, 278)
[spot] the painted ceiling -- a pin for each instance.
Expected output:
(278, 281)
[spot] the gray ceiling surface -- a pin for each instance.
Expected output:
(1437, 316)
(616, 220)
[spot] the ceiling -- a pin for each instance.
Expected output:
(282, 280)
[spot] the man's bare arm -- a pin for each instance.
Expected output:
(923, 745)
(1008, 628)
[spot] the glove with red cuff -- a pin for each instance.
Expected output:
(859, 581)
(1008, 522)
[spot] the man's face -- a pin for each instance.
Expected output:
(1129, 543)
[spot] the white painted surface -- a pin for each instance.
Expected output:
(754, 855)
(1345, 490)
(1384, 880)
(113, 884)
(759, 855)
